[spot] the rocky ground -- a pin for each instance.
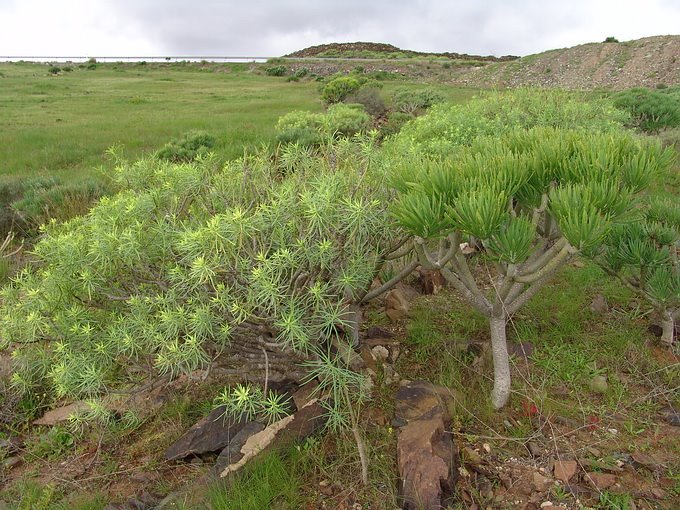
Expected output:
(549, 449)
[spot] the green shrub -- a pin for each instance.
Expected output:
(446, 126)
(395, 121)
(54, 70)
(307, 128)
(345, 120)
(301, 73)
(611, 39)
(276, 71)
(339, 88)
(651, 110)
(187, 148)
(301, 127)
(369, 97)
(193, 261)
(411, 101)
(91, 66)
(45, 199)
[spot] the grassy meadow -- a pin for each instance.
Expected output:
(63, 124)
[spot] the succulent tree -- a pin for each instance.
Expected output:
(531, 200)
(644, 256)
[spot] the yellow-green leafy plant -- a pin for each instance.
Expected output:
(195, 264)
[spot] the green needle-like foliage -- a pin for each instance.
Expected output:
(194, 263)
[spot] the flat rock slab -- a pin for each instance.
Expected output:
(564, 470)
(425, 449)
(211, 434)
(61, 414)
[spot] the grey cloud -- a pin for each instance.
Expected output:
(261, 27)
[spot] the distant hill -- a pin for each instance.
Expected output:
(648, 62)
(382, 50)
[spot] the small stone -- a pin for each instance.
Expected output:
(486, 447)
(12, 462)
(599, 305)
(396, 305)
(541, 483)
(564, 470)
(658, 493)
(601, 481)
(534, 449)
(655, 330)
(671, 414)
(380, 352)
(325, 488)
(594, 451)
(391, 375)
(646, 460)
(598, 384)
(398, 422)
(378, 332)
(471, 456)
(547, 504)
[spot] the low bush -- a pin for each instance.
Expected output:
(301, 73)
(345, 120)
(187, 148)
(276, 70)
(395, 121)
(412, 101)
(651, 110)
(54, 70)
(369, 97)
(50, 199)
(307, 128)
(194, 261)
(446, 126)
(339, 88)
(300, 127)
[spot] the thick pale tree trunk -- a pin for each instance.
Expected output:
(501, 363)
(668, 328)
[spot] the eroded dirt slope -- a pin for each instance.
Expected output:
(647, 62)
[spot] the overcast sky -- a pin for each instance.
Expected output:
(277, 27)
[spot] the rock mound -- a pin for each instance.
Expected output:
(378, 50)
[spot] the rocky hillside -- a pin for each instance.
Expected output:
(647, 62)
(382, 50)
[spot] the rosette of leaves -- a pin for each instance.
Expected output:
(643, 255)
(195, 264)
(531, 200)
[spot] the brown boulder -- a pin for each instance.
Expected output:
(425, 450)
(601, 481)
(396, 305)
(210, 434)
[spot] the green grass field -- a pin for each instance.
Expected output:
(61, 125)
